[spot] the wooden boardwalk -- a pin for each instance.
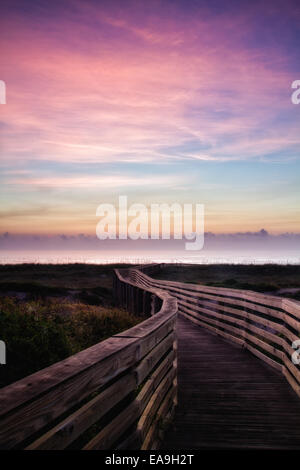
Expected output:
(242, 394)
(229, 399)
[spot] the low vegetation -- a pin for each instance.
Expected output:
(49, 312)
(38, 334)
(283, 280)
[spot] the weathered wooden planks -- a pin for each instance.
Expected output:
(265, 325)
(145, 357)
(227, 399)
(114, 369)
(68, 430)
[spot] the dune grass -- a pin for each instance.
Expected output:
(40, 333)
(268, 278)
(49, 312)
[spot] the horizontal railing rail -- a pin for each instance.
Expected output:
(115, 394)
(118, 393)
(266, 325)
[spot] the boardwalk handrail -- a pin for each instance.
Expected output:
(266, 325)
(124, 386)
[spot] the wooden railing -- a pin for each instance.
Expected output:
(115, 394)
(265, 325)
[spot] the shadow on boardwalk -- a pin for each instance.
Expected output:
(227, 398)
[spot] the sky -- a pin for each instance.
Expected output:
(163, 101)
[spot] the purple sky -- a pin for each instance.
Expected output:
(165, 101)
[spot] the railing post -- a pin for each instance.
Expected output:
(153, 304)
(139, 302)
(146, 303)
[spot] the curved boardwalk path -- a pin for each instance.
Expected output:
(242, 394)
(227, 398)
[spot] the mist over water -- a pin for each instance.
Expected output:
(234, 248)
(124, 256)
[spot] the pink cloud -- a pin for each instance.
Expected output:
(126, 101)
(101, 182)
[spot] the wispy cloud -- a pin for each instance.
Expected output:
(101, 182)
(141, 97)
(122, 100)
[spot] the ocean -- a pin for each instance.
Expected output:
(138, 257)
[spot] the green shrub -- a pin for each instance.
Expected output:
(33, 341)
(40, 333)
